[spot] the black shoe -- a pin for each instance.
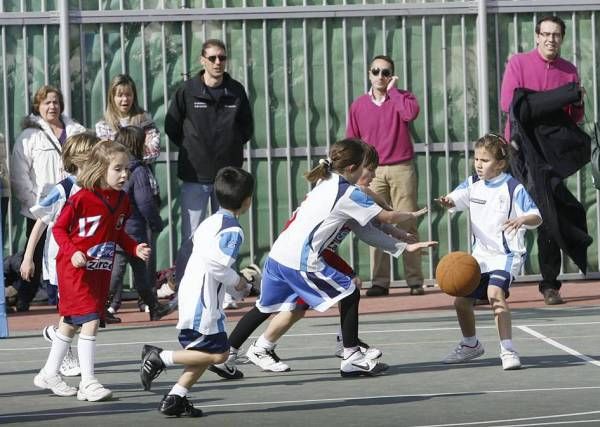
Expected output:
(152, 365)
(227, 371)
(159, 311)
(111, 318)
(377, 291)
(175, 405)
(417, 290)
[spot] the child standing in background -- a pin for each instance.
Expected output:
(501, 211)
(145, 219)
(87, 231)
(74, 155)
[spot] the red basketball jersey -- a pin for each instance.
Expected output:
(93, 222)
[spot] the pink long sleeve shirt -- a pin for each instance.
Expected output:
(530, 70)
(385, 126)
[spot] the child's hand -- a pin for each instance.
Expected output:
(27, 269)
(420, 212)
(445, 202)
(414, 247)
(143, 251)
(404, 236)
(78, 259)
(512, 225)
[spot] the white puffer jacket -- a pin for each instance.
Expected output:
(36, 164)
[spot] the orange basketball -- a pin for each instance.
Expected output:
(458, 274)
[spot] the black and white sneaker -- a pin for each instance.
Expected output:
(369, 352)
(227, 370)
(152, 365)
(358, 364)
(178, 406)
(265, 359)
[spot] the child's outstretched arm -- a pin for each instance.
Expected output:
(414, 247)
(27, 266)
(394, 217)
(376, 198)
(513, 224)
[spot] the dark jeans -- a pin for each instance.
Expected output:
(141, 280)
(549, 259)
(27, 289)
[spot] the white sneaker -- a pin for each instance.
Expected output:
(93, 391)
(462, 353)
(165, 291)
(510, 360)
(229, 302)
(371, 353)
(49, 332)
(54, 383)
(69, 366)
(265, 359)
(357, 364)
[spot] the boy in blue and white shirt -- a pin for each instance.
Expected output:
(208, 275)
(501, 211)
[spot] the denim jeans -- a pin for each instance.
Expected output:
(194, 203)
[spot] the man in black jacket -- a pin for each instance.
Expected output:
(210, 120)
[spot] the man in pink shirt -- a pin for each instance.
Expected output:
(382, 118)
(543, 69)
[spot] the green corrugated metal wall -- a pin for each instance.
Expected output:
(436, 58)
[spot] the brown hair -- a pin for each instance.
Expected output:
(213, 43)
(93, 174)
(76, 151)
(42, 93)
(496, 145)
(111, 115)
(371, 160)
(344, 153)
(133, 138)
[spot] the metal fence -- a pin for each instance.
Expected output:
(302, 62)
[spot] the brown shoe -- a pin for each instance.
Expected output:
(552, 297)
(377, 291)
(417, 290)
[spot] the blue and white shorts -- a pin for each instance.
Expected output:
(499, 278)
(213, 343)
(282, 286)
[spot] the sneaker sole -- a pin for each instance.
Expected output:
(250, 359)
(81, 396)
(237, 376)
(454, 362)
(71, 373)
(512, 368)
(377, 370)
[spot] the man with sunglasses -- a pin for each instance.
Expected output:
(210, 120)
(382, 118)
(542, 69)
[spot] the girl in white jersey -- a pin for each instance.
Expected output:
(500, 210)
(295, 270)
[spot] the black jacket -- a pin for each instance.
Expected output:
(551, 147)
(209, 132)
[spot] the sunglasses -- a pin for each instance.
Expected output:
(213, 58)
(384, 72)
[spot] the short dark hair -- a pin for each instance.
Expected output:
(233, 186)
(214, 43)
(554, 19)
(386, 59)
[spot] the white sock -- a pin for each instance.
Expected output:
(506, 345)
(167, 357)
(470, 341)
(349, 351)
(86, 351)
(262, 342)
(179, 390)
(58, 350)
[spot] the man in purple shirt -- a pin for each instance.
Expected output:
(382, 118)
(543, 69)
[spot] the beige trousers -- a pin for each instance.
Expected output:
(397, 184)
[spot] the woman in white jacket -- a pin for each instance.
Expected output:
(36, 166)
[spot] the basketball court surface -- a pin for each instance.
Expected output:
(559, 384)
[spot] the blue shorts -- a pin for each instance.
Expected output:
(80, 320)
(194, 340)
(499, 278)
(281, 287)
